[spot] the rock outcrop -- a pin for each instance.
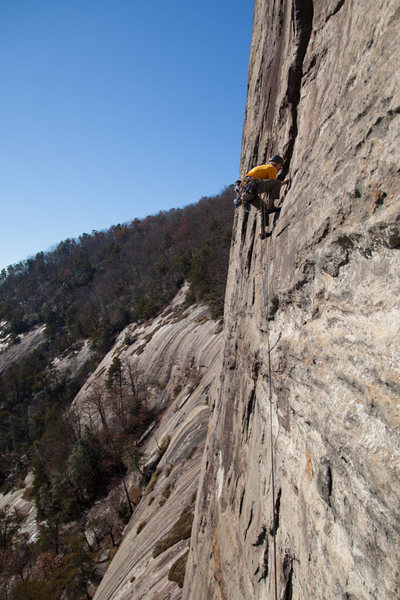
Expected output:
(300, 493)
(13, 353)
(16, 501)
(176, 357)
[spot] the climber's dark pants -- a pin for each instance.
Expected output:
(268, 191)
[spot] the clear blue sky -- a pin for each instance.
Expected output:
(115, 109)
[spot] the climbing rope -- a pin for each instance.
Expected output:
(265, 305)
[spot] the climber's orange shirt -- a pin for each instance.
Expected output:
(263, 172)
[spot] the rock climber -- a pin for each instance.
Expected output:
(269, 186)
(261, 188)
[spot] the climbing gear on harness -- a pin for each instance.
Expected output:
(246, 190)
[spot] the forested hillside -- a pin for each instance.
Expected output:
(94, 285)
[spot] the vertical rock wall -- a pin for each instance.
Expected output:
(323, 91)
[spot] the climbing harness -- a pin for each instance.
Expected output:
(265, 305)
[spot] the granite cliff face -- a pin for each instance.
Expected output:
(311, 511)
